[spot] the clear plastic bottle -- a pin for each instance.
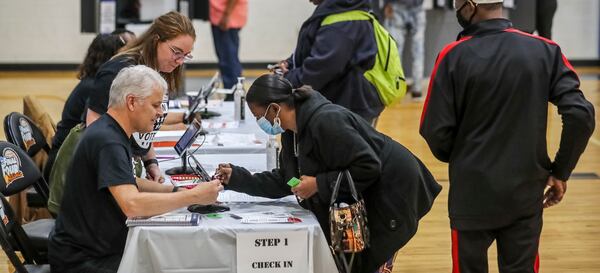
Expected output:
(272, 153)
(239, 100)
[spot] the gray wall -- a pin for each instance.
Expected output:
(35, 31)
(577, 35)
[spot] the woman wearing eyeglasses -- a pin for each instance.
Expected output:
(165, 46)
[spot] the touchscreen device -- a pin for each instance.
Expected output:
(188, 138)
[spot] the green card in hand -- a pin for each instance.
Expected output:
(293, 182)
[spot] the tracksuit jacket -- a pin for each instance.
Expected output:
(486, 114)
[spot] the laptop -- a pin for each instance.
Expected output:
(203, 94)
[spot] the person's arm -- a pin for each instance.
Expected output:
(173, 127)
(223, 24)
(145, 185)
(438, 120)
(577, 117)
(342, 147)
(329, 56)
(91, 117)
(115, 174)
(152, 169)
(265, 184)
(135, 203)
(173, 122)
(174, 118)
(388, 10)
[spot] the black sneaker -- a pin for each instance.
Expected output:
(416, 96)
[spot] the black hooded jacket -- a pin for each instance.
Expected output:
(333, 58)
(397, 188)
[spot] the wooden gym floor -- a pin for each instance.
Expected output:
(571, 235)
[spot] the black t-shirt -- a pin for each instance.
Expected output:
(73, 111)
(98, 101)
(90, 224)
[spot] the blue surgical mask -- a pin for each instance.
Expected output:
(271, 129)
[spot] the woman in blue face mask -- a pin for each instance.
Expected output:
(319, 139)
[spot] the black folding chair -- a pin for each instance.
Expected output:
(12, 234)
(22, 131)
(19, 173)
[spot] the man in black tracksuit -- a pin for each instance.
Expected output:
(486, 114)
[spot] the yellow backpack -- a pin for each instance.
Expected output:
(386, 74)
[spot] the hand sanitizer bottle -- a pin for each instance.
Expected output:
(239, 100)
(272, 153)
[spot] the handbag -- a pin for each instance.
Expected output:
(348, 223)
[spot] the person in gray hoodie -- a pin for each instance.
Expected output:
(406, 18)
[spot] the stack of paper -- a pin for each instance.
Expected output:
(267, 218)
(168, 219)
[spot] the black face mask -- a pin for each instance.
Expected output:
(462, 21)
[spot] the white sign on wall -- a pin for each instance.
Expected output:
(108, 14)
(285, 252)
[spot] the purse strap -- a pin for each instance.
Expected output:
(336, 187)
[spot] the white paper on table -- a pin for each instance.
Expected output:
(220, 124)
(234, 139)
(224, 90)
(234, 196)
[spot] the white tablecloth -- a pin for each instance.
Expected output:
(245, 139)
(211, 246)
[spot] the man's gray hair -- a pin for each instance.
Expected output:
(138, 80)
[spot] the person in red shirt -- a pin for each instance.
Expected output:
(227, 18)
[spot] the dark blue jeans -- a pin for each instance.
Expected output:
(227, 44)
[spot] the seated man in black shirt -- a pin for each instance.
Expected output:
(101, 190)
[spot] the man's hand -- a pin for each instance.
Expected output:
(388, 11)
(283, 65)
(206, 193)
(555, 191)
(224, 22)
(153, 173)
(224, 173)
(306, 188)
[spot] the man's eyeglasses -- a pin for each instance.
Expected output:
(178, 55)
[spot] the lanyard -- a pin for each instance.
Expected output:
(296, 148)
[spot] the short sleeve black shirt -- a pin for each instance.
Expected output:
(98, 102)
(73, 111)
(90, 223)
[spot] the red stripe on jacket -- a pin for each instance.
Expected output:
(443, 54)
(565, 60)
(455, 265)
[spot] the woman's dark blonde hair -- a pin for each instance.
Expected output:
(143, 50)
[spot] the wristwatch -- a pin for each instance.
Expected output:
(150, 161)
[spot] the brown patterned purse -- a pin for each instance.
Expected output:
(348, 223)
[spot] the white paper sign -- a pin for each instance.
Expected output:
(108, 14)
(285, 252)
